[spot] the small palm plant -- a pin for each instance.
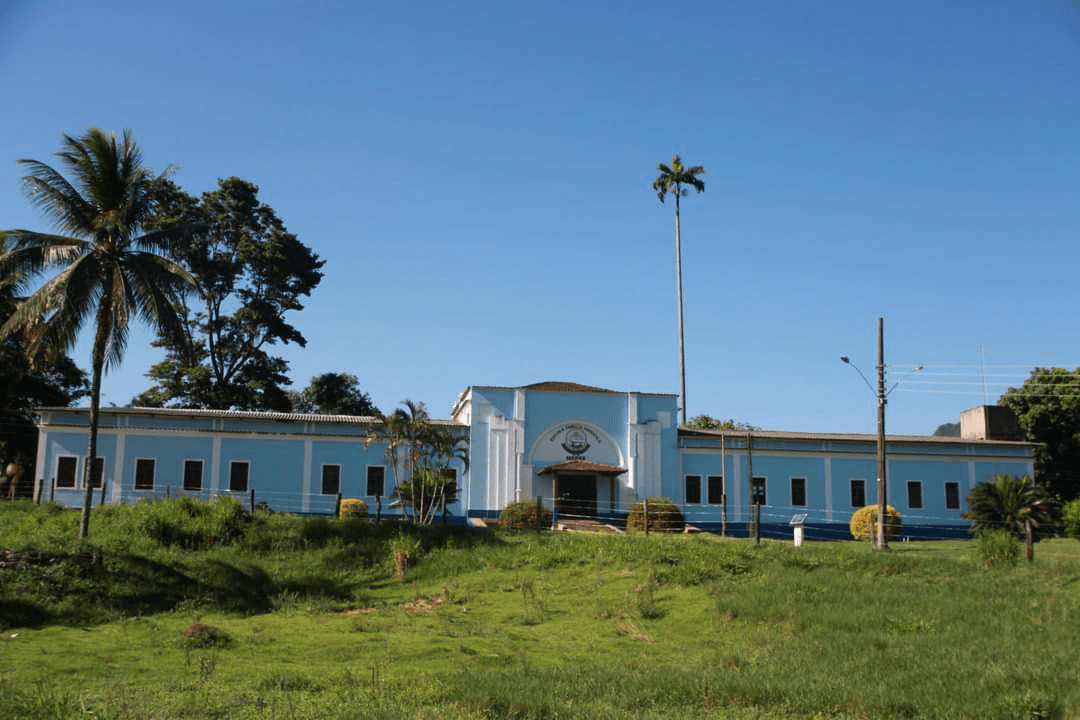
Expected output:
(1011, 503)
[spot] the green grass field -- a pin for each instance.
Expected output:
(521, 625)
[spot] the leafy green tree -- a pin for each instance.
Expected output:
(333, 394)
(250, 272)
(671, 180)
(1047, 408)
(422, 454)
(951, 429)
(1010, 503)
(705, 422)
(107, 267)
(26, 383)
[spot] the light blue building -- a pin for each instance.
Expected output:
(585, 451)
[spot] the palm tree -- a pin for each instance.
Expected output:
(671, 180)
(106, 267)
(1012, 503)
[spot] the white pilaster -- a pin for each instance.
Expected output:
(305, 501)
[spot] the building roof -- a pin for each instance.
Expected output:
(841, 437)
(236, 414)
(564, 386)
(583, 466)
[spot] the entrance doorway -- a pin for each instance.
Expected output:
(577, 495)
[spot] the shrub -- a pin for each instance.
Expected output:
(354, 507)
(203, 636)
(523, 515)
(191, 523)
(998, 549)
(864, 522)
(1071, 517)
(663, 515)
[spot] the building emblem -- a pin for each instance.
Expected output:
(575, 442)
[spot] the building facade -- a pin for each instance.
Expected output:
(584, 451)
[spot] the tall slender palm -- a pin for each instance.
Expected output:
(1011, 503)
(671, 180)
(106, 267)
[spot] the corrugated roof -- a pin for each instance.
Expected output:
(236, 414)
(850, 437)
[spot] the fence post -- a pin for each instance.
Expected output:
(168, 491)
(539, 514)
(337, 506)
(723, 515)
(52, 490)
(378, 508)
(103, 486)
(38, 491)
(645, 514)
(251, 501)
(757, 523)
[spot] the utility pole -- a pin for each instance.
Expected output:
(883, 518)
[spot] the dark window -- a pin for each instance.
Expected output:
(716, 489)
(65, 471)
(238, 477)
(914, 494)
(193, 474)
(144, 474)
(952, 496)
(858, 493)
(693, 489)
(757, 491)
(376, 480)
(798, 491)
(97, 471)
(331, 479)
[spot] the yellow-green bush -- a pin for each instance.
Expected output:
(523, 515)
(353, 507)
(864, 522)
(663, 515)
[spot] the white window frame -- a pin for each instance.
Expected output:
(75, 482)
(322, 479)
(183, 474)
(247, 480)
(367, 480)
(805, 489)
(135, 475)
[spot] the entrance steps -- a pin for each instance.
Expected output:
(591, 526)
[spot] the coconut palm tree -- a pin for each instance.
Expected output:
(671, 180)
(1011, 503)
(106, 268)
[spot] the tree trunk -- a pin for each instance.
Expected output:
(678, 292)
(98, 363)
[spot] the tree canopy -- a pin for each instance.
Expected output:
(949, 429)
(111, 262)
(249, 272)
(706, 422)
(28, 382)
(1047, 408)
(334, 394)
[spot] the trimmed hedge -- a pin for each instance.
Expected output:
(522, 515)
(864, 520)
(353, 507)
(664, 514)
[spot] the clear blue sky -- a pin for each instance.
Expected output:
(477, 177)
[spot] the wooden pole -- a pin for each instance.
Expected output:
(52, 490)
(251, 501)
(378, 508)
(883, 504)
(103, 486)
(337, 506)
(645, 514)
(723, 515)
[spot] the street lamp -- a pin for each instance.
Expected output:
(882, 394)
